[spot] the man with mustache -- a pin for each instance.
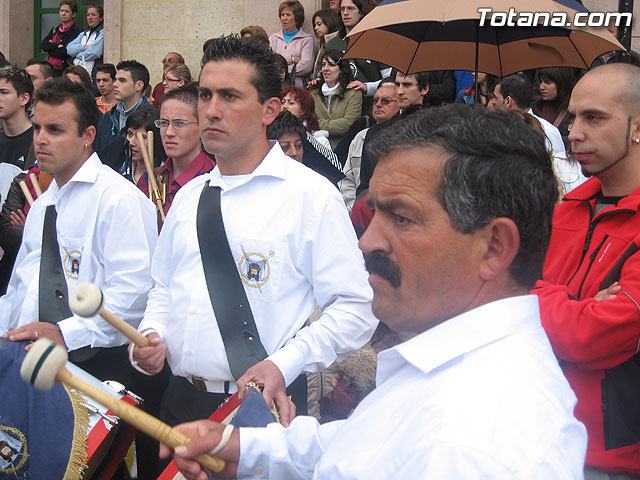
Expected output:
(463, 200)
(590, 289)
(292, 248)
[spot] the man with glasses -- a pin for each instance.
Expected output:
(180, 134)
(385, 106)
(169, 60)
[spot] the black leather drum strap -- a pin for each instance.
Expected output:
(53, 295)
(228, 298)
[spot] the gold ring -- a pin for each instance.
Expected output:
(36, 334)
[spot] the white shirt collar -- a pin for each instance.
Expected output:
(87, 173)
(273, 165)
(461, 334)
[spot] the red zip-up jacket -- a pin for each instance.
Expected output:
(597, 342)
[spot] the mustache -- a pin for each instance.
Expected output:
(380, 265)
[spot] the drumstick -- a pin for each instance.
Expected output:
(150, 144)
(86, 300)
(44, 364)
(153, 186)
(27, 193)
(36, 184)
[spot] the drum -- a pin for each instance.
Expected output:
(224, 414)
(109, 438)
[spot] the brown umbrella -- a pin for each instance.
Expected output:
(423, 35)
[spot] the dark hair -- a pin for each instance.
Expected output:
(307, 105)
(345, 69)
(518, 87)
(61, 89)
(85, 78)
(72, 5)
(46, 70)
(107, 68)
(98, 8)
(285, 122)
(364, 7)
(137, 70)
(257, 32)
(144, 118)
(422, 78)
(564, 77)
(497, 166)
(265, 79)
(329, 17)
(281, 65)
(19, 79)
(296, 8)
(186, 94)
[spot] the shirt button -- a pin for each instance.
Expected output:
(193, 310)
(188, 352)
(76, 343)
(258, 471)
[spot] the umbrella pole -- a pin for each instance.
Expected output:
(624, 32)
(477, 93)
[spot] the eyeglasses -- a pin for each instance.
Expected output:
(177, 124)
(384, 100)
(167, 79)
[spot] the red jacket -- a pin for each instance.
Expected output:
(597, 342)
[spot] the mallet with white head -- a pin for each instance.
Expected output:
(86, 301)
(44, 364)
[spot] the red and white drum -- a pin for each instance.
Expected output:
(109, 438)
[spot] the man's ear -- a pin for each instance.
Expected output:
(89, 135)
(139, 86)
(425, 90)
(501, 243)
(270, 110)
(24, 99)
(635, 128)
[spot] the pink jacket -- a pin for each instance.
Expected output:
(300, 46)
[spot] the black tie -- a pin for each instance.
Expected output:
(53, 302)
(52, 294)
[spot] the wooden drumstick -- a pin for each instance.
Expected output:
(86, 300)
(36, 184)
(150, 145)
(44, 364)
(153, 185)
(27, 193)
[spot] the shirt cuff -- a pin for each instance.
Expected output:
(254, 453)
(152, 324)
(76, 335)
(289, 360)
(372, 87)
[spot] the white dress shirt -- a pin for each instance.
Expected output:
(291, 223)
(568, 172)
(478, 396)
(106, 233)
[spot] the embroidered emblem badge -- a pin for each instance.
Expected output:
(13, 449)
(254, 268)
(71, 264)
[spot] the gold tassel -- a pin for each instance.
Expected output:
(78, 458)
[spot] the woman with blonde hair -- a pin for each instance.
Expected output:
(176, 76)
